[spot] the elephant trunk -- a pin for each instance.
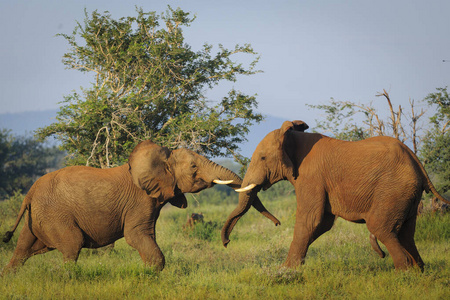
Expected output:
(220, 173)
(245, 201)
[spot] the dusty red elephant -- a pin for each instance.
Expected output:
(377, 181)
(84, 207)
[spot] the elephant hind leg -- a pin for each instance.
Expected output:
(406, 237)
(402, 258)
(27, 246)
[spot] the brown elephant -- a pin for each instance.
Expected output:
(83, 207)
(378, 181)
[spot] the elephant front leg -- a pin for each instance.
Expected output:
(308, 227)
(143, 241)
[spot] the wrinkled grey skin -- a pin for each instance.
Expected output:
(377, 181)
(83, 207)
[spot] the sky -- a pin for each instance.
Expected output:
(311, 51)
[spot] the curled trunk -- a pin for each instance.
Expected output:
(222, 173)
(246, 199)
(236, 214)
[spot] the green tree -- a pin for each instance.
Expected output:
(149, 84)
(339, 121)
(22, 161)
(435, 151)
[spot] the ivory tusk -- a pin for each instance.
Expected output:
(247, 188)
(222, 181)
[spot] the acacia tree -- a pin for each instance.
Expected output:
(149, 84)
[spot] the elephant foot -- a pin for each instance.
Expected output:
(156, 265)
(293, 263)
(155, 260)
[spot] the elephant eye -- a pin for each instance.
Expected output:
(263, 158)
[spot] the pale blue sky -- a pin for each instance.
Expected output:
(310, 50)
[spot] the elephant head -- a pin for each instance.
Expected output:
(270, 163)
(166, 175)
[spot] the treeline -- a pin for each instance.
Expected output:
(23, 160)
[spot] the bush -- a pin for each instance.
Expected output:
(9, 208)
(207, 231)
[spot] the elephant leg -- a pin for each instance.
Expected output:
(402, 259)
(149, 251)
(385, 232)
(24, 249)
(406, 237)
(308, 227)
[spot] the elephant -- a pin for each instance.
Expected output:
(378, 181)
(83, 207)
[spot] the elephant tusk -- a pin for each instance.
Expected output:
(222, 181)
(247, 188)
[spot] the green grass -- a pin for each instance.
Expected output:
(339, 265)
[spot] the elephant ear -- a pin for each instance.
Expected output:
(150, 171)
(287, 145)
(298, 125)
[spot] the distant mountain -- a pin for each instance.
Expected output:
(25, 123)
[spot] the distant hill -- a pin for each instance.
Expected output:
(25, 123)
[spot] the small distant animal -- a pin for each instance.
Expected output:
(193, 219)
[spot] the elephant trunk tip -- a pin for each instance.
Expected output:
(225, 243)
(8, 236)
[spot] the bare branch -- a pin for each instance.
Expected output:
(96, 143)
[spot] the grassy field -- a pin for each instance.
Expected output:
(339, 265)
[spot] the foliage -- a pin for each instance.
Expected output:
(22, 161)
(149, 84)
(206, 231)
(339, 265)
(442, 99)
(11, 205)
(435, 151)
(339, 121)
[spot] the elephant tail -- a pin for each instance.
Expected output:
(430, 188)
(428, 185)
(25, 205)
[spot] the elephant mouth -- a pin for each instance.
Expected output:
(266, 186)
